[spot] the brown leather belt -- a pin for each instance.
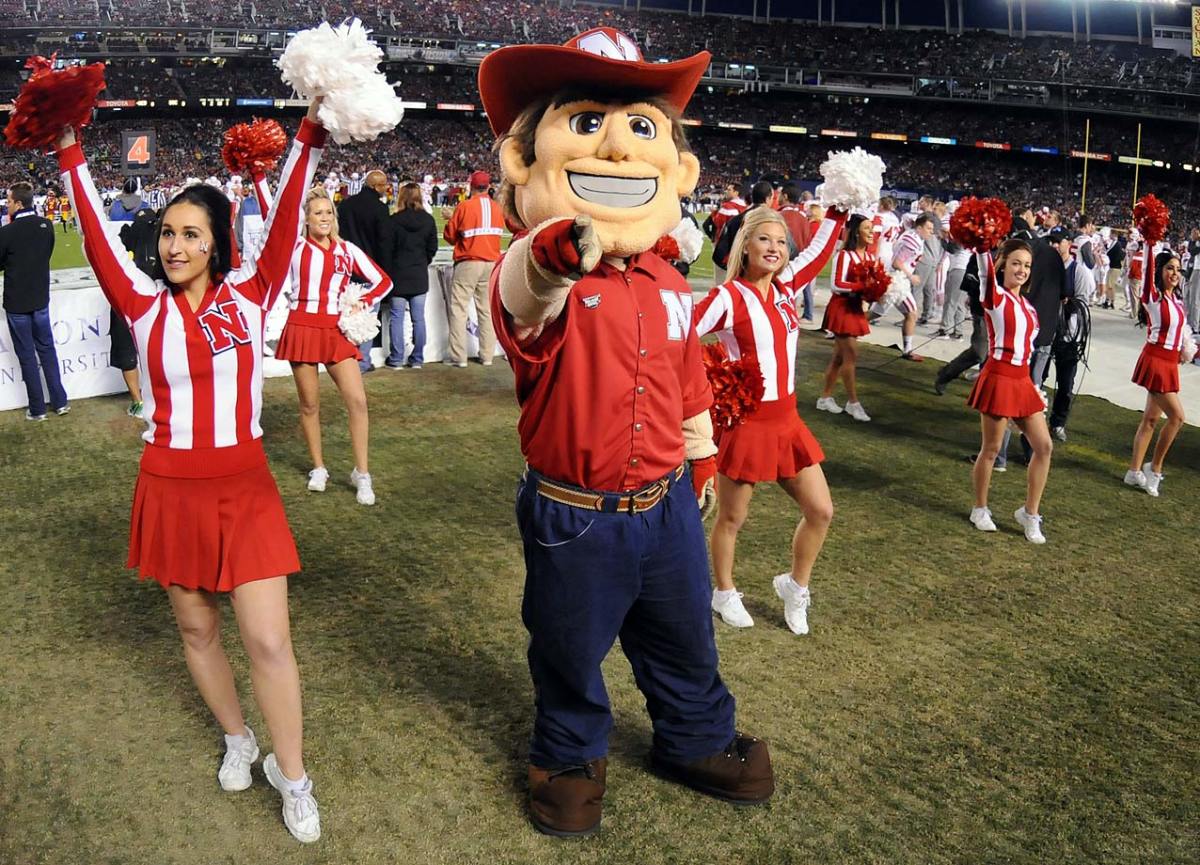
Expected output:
(636, 502)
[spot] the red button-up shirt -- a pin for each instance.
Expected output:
(605, 388)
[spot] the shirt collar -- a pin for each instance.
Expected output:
(25, 211)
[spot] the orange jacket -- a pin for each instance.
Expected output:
(475, 229)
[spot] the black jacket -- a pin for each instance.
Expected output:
(363, 220)
(414, 243)
(1047, 283)
(26, 245)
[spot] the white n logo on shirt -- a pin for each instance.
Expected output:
(679, 313)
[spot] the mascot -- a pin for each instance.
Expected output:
(614, 424)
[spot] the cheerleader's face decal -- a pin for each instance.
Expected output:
(185, 243)
(617, 163)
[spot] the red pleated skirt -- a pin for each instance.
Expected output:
(1005, 390)
(844, 316)
(210, 533)
(309, 338)
(772, 444)
(1157, 370)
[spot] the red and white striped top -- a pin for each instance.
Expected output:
(1164, 312)
(907, 251)
(1012, 321)
(202, 369)
(751, 327)
(839, 279)
(319, 276)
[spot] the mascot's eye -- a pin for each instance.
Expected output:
(642, 127)
(586, 122)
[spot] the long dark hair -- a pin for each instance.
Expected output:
(852, 232)
(1013, 244)
(214, 203)
(1160, 264)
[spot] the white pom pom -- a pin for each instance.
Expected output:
(900, 289)
(1188, 352)
(853, 180)
(689, 238)
(323, 59)
(361, 113)
(359, 327)
(341, 64)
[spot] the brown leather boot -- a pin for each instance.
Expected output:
(566, 802)
(740, 774)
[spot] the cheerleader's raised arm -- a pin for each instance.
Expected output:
(264, 271)
(987, 280)
(811, 260)
(129, 291)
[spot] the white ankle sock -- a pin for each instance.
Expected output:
(723, 595)
(908, 344)
(232, 742)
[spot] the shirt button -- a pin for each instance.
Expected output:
(643, 352)
(641, 315)
(634, 461)
(637, 427)
(641, 389)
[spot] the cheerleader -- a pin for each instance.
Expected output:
(322, 266)
(754, 314)
(1004, 390)
(1157, 369)
(846, 320)
(207, 517)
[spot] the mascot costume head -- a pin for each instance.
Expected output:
(591, 129)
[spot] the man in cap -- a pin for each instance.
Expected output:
(614, 419)
(474, 230)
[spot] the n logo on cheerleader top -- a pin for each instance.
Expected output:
(607, 42)
(224, 326)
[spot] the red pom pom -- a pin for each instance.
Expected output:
(872, 278)
(251, 147)
(981, 224)
(50, 101)
(1151, 217)
(667, 248)
(737, 386)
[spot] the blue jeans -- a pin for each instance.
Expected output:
(808, 303)
(414, 306)
(365, 348)
(591, 577)
(33, 341)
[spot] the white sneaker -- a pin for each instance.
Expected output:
(795, 603)
(1032, 524)
(299, 807)
(829, 404)
(1135, 479)
(732, 611)
(234, 773)
(856, 411)
(981, 518)
(362, 485)
(317, 478)
(1153, 479)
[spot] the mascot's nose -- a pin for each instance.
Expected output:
(617, 140)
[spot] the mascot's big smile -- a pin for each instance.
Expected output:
(609, 191)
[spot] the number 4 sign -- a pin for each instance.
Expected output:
(137, 152)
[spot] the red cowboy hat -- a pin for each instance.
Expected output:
(516, 76)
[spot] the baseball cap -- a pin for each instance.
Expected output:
(480, 180)
(1058, 235)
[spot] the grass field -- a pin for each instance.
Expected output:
(964, 698)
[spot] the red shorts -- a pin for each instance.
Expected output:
(309, 338)
(844, 316)
(1157, 370)
(1004, 390)
(772, 444)
(210, 533)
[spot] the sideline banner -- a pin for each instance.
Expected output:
(80, 321)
